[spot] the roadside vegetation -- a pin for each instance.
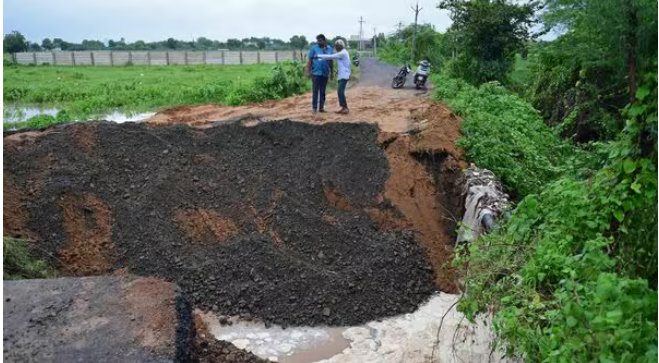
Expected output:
(86, 92)
(18, 263)
(570, 126)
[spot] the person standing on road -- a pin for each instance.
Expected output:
(343, 63)
(319, 71)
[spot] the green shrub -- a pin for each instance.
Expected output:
(18, 262)
(572, 276)
(503, 133)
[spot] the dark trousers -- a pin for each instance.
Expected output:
(341, 91)
(319, 87)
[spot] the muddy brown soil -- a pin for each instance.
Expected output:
(88, 249)
(391, 110)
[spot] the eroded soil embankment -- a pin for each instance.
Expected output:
(289, 222)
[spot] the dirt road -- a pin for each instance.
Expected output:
(372, 100)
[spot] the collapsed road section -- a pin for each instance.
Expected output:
(287, 222)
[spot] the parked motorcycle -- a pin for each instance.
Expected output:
(355, 60)
(421, 75)
(401, 77)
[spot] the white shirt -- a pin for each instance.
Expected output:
(342, 59)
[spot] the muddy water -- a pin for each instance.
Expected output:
(291, 345)
(13, 114)
(415, 338)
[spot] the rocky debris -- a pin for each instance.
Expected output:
(268, 183)
(93, 319)
(485, 201)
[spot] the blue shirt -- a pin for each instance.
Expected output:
(319, 67)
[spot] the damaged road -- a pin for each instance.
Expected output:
(269, 221)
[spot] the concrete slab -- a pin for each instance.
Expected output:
(95, 319)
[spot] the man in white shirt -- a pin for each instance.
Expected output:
(343, 60)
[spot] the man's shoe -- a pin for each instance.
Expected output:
(314, 111)
(322, 110)
(344, 111)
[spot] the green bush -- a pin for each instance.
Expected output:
(572, 276)
(18, 263)
(503, 133)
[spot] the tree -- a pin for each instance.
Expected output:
(204, 43)
(298, 42)
(430, 45)
(34, 47)
(47, 44)
(92, 45)
(14, 42)
(584, 78)
(489, 33)
(234, 44)
(621, 31)
(171, 43)
(57, 43)
(139, 45)
(260, 44)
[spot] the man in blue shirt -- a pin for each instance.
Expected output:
(319, 71)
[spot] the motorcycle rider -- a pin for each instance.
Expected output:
(421, 74)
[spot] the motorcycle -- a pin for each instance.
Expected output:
(355, 61)
(421, 74)
(401, 77)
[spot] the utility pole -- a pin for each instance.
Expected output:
(361, 33)
(416, 17)
(375, 41)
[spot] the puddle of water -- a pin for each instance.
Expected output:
(13, 114)
(291, 345)
(120, 117)
(403, 338)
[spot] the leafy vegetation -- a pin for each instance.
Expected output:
(504, 133)
(87, 92)
(572, 275)
(431, 45)
(587, 76)
(14, 42)
(489, 34)
(18, 263)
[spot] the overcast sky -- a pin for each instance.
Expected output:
(150, 20)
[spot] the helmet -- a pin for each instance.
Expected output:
(424, 63)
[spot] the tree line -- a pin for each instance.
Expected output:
(15, 42)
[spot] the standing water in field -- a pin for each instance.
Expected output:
(15, 114)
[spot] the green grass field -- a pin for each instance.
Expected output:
(90, 91)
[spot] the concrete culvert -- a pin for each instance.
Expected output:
(239, 217)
